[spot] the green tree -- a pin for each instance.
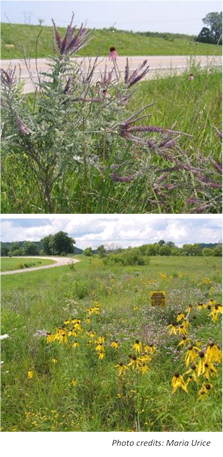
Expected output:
(164, 250)
(88, 252)
(58, 244)
(30, 248)
(207, 252)
(101, 251)
(218, 250)
(213, 32)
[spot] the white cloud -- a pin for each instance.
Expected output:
(123, 230)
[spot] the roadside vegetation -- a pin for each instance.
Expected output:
(76, 146)
(86, 351)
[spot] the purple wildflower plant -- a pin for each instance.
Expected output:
(131, 79)
(71, 42)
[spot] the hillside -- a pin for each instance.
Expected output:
(36, 41)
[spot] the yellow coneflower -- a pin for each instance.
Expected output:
(145, 358)
(201, 363)
(137, 346)
(88, 320)
(101, 355)
(50, 337)
(204, 389)
(209, 370)
(177, 382)
(189, 308)
(134, 362)
(192, 372)
(213, 353)
(191, 355)
(184, 341)
(180, 316)
(144, 368)
(183, 329)
(100, 339)
(115, 344)
(215, 312)
(91, 334)
(149, 348)
(201, 306)
(76, 344)
(100, 347)
(74, 382)
(172, 329)
(121, 368)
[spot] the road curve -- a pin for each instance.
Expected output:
(59, 262)
(160, 66)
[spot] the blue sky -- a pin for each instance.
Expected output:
(148, 15)
(119, 230)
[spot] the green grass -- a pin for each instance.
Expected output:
(36, 43)
(100, 400)
(9, 263)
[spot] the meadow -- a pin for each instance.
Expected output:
(9, 263)
(86, 351)
(36, 41)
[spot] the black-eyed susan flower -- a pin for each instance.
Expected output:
(205, 388)
(121, 368)
(135, 362)
(215, 312)
(192, 372)
(172, 328)
(76, 344)
(178, 382)
(180, 316)
(115, 344)
(201, 363)
(213, 353)
(149, 348)
(137, 346)
(209, 370)
(184, 340)
(191, 355)
(50, 337)
(144, 368)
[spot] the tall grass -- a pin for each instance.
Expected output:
(64, 385)
(127, 43)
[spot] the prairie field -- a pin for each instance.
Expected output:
(86, 350)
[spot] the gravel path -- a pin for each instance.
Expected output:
(59, 262)
(160, 66)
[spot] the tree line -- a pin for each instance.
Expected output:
(62, 244)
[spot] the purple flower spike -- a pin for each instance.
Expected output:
(71, 43)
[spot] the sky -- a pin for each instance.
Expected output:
(115, 230)
(173, 16)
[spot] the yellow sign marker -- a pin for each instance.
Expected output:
(158, 298)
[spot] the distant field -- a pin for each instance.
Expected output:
(100, 318)
(9, 264)
(33, 42)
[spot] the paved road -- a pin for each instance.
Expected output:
(160, 66)
(59, 262)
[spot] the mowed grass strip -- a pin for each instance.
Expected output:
(69, 385)
(35, 41)
(9, 263)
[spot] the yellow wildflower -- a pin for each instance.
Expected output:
(134, 362)
(115, 345)
(74, 382)
(30, 374)
(180, 316)
(178, 381)
(172, 329)
(201, 363)
(191, 354)
(54, 360)
(213, 353)
(76, 344)
(137, 346)
(121, 368)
